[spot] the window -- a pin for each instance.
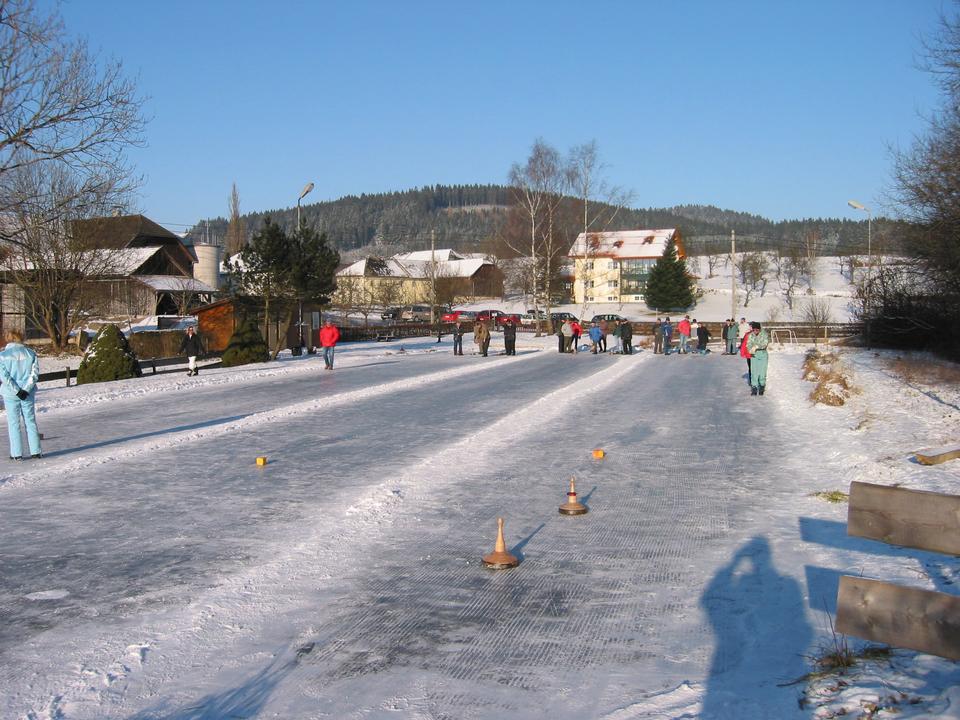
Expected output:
(589, 284)
(634, 274)
(611, 298)
(613, 283)
(612, 265)
(589, 265)
(590, 299)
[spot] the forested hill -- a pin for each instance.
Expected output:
(464, 216)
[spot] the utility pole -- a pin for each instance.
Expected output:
(733, 275)
(433, 278)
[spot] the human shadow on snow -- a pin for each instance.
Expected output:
(245, 701)
(144, 435)
(761, 634)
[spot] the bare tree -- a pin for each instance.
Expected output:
(713, 262)
(793, 268)
(601, 202)
(236, 235)
(752, 269)
(535, 187)
(59, 104)
(817, 312)
(59, 280)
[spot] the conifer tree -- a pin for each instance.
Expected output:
(246, 346)
(669, 286)
(108, 357)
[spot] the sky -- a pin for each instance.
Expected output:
(782, 109)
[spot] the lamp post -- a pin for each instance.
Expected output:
(306, 189)
(860, 206)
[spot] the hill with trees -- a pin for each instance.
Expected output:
(468, 217)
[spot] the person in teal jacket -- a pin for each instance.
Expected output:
(19, 372)
(757, 341)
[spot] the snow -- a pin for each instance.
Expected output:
(828, 285)
(152, 570)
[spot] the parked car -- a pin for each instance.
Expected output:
(609, 317)
(561, 316)
(391, 313)
(488, 316)
(416, 313)
(504, 318)
(458, 316)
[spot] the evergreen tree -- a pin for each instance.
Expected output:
(246, 346)
(286, 270)
(108, 357)
(669, 286)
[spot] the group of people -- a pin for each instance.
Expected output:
(481, 336)
(570, 331)
(688, 331)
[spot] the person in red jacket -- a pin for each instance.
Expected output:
(683, 327)
(745, 353)
(577, 332)
(328, 340)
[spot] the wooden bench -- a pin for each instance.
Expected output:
(935, 456)
(922, 620)
(384, 337)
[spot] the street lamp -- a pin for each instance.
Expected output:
(306, 190)
(859, 206)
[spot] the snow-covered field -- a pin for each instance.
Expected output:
(150, 569)
(828, 285)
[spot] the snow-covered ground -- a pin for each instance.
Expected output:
(828, 285)
(150, 569)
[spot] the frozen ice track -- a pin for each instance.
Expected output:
(378, 566)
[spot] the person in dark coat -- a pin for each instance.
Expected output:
(703, 337)
(190, 346)
(458, 339)
(560, 340)
(626, 337)
(510, 337)
(657, 337)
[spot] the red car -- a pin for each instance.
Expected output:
(458, 316)
(488, 315)
(504, 318)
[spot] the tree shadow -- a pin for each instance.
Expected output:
(144, 435)
(761, 633)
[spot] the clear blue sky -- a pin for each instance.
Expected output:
(784, 109)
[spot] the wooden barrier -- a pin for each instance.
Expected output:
(935, 456)
(921, 620)
(910, 518)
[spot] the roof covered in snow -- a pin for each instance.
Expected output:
(174, 283)
(625, 243)
(415, 265)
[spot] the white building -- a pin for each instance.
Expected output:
(614, 266)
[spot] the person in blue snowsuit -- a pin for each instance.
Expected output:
(19, 372)
(667, 336)
(596, 335)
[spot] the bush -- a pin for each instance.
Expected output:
(108, 357)
(246, 346)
